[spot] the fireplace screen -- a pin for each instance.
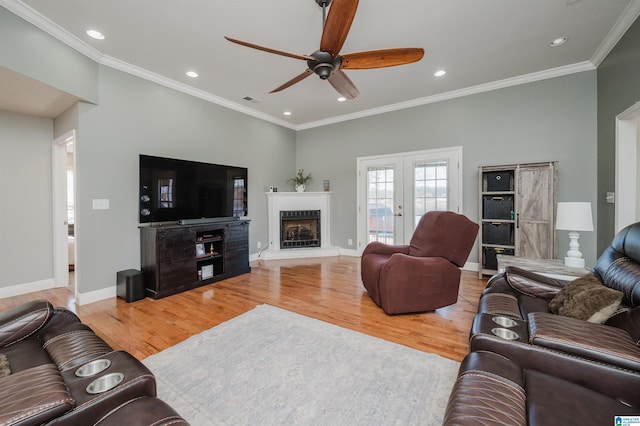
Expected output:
(299, 228)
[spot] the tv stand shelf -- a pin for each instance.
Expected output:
(175, 258)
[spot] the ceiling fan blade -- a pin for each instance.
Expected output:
(343, 85)
(293, 81)
(270, 50)
(381, 58)
(336, 29)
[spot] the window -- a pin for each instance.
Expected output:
(165, 188)
(239, 194)
(380, 203)
(430, 183)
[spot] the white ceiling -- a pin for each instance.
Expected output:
(482, 44)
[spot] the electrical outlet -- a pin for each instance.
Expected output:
(259, 245)
(100, 204)
(350, 242)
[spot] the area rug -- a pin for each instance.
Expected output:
(270, 366)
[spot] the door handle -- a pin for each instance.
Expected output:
(398, 214)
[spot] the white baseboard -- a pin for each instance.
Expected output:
(349, 252)
(19, 289)
(468, 266)
(300, 253)
(48, 284)
(471, 266)
(290, 255)
(96, 296)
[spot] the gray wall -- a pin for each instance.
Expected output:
(550, 120)
(135, 117)
(618, 89)
(66, 122)
(26, 225)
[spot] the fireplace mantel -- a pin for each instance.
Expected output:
(285, 201)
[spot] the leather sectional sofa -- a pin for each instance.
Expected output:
(56, 370)
(545, 351)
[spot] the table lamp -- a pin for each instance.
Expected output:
(573, 217)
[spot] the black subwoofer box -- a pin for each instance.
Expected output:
(130, 285)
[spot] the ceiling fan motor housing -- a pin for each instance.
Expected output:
(324, 64)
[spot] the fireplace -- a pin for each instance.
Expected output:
(299, 229)
(293, 219)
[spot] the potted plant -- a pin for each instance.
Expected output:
(300, 180)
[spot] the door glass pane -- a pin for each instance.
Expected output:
(380, 203)
(431, 188)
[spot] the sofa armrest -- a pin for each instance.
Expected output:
(33, 396)
(388, 249)
(592, 341)
(604, 378)
(23, 321)
(489, 390)
(532, 284)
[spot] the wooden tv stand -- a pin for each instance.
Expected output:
(175, 258)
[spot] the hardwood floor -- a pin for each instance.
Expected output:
(328, 289)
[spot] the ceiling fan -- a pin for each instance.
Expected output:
(328, 64)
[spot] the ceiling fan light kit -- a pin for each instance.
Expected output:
(327, 63)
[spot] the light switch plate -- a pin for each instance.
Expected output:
(611, 197)
(101, 204)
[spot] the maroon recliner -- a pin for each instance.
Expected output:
(425, 274)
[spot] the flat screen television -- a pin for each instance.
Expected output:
(176, 190)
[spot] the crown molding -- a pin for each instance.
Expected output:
(48, 26)
(189, 90)
(487, 87)
(621, 26)
(35, 18)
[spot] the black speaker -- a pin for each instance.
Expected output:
(130, 285)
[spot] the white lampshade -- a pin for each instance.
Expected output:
(574, 216)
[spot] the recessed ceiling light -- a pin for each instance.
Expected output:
(192, 74)
(558, 42)
(287, 113)
(439, 73)
(95, 34)
(342, 99)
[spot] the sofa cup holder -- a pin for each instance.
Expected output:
(505, 333)
(504, 322)
(94, 367)
(105, 383)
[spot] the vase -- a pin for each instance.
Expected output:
(301, 187)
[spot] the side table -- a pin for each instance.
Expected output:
(550, 267)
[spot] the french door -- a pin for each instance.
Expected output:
(395, 190)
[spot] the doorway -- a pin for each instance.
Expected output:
(627, 187)
(395, 190)
(64, 223)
